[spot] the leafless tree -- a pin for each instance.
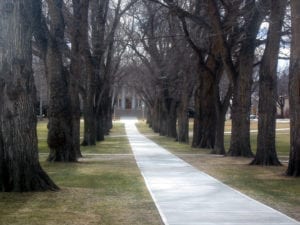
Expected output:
(20, 169)
(294, 97)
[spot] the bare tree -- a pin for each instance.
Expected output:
(239, 68)
(60, 112)
(19, 164)
(266, 151)
(49, 35)
(282, 92)
(294, 92)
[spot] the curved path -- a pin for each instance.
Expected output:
(187, 196)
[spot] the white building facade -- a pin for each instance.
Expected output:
(127, 99)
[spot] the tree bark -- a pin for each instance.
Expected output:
(99, 11)
(155, 118)
(186, 89)
(168, 117)
(241, 76)
(80, 16)
(242, 83)
(89, 137)
(60, 115)
(221, 109)
(294, 92)
(241, 104)
(205, 112)
(100, 127)
(266, 150)
(183, 119)
(20, 170)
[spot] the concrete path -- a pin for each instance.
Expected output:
(187, 196)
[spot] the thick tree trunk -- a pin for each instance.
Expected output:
(240, 131)
(20, 170)
(149, 116)
(75, 106)
(168, 118)
(183, 114)
(156, 116)
(294, 92)
(205, 113)
(171, 123)
(76, 68)
(100, 127)
(241, 105)
(110, 118)
(104, 122)
(60, 139)
(183, 124)
(219, 140)
(89, 137)
(93, 65)
(266, 150)
(81, 9)
(241, 77)
(221, 109)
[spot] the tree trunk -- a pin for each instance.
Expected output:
(110, 117)
(168, 118)
(183, 123)
(172, 120)
(221, 109)
(100, 127)
(20, 170)
(266, 150)
(60, 139)
(183, 110)
(76, 126)
(240, 131)
(93, 65)
(242, 83)
(89, 137)
(205, 113)
(156, 116)
(241, 77)
(219, 140)
(76, 68)
(294, 92)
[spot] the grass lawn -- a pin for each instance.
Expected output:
(102, 189)
(266, 184)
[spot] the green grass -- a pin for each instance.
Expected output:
(266, 184)
(42, 132)
(101, 189)
(282, 140)
(115, 142)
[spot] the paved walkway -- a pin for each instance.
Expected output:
(187, 196)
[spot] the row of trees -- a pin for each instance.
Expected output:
(208, 52)
(74, 40)
(185, 49)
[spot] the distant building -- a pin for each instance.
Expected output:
(127, 99)
(128, 103)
